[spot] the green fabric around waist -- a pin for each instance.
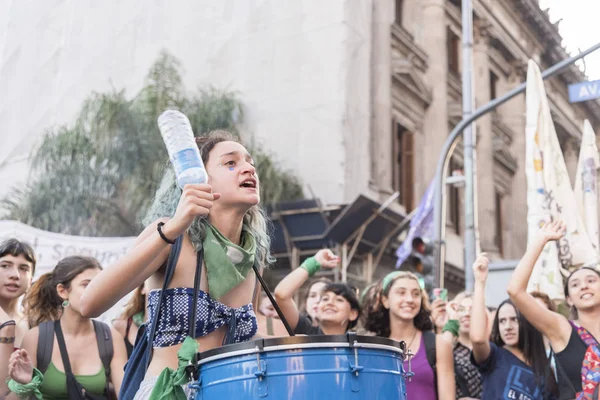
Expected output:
(55, 383)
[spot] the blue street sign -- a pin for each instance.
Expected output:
(584, 91)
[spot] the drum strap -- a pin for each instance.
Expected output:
(431, 353)
(275, 305)
(193, 368)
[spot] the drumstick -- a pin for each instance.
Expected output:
(275, 305)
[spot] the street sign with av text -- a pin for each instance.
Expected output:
(584, 91)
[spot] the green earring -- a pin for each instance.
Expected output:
(65, 303)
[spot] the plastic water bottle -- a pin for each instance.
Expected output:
(177, 134)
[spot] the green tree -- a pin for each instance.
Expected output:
(97, 176)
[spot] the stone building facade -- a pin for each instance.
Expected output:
(421, 96)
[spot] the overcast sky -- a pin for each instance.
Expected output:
(580, 28)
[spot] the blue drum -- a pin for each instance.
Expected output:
(302, 368)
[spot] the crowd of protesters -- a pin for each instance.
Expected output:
(457, 349)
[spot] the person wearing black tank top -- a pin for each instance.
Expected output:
(132, 317)
(582, 292)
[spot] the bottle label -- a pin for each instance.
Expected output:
(186, 159)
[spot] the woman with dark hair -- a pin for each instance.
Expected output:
(514, 363)
(132, 317)
(338, 308)
(403, 315)
(574, 343)
(17, 266)
(310, 305)
(219, 223)
(369, 300)
(55, 301)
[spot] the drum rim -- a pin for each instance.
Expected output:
(282, 343)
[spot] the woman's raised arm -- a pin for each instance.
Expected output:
(148, 254)
(552, 325)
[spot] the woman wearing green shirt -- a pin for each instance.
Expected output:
(56, 296)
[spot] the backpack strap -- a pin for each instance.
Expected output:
(105, 347)
(45, 345)
(431, 351)
(170, 270)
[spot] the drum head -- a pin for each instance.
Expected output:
(348, 340)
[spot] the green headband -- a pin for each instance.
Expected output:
(389, 278)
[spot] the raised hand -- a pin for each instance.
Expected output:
(196, 201)
(480, 268)
(327, 259)
(20, 367)
(453, 309)
(439, 313)
(554, 230)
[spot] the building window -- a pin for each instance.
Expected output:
(454, 199)
(403, 168)
(499, 224)
(453, 48)
(399, 9)
(493, 85)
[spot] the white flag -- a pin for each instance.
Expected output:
(550, 195)
(586, 190)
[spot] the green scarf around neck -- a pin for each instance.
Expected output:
(227, 264)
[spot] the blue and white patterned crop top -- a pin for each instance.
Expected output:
(176, 312)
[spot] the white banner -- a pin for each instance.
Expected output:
(586, 190)
(51, 247)
(550, 195)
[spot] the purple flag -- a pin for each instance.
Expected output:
(421, 225)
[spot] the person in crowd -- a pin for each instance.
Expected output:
(220, 222)
(456, 329)
(269, 324)
(132, 317)
(424, 256)
(403, 315)
(574, 342)
(17, 267)
(54, 306)
(310, 305)
(513, 364)
(369, 300)
(338, 309)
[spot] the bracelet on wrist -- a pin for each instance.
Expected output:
(452, 327)
(27, 390)
(311, 265)
(7, 339)
(162, 235)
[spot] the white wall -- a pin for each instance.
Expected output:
(295, 63)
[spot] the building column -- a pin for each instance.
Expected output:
(486, 191)
(381, 98)
(435, 124)
(513, 114)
